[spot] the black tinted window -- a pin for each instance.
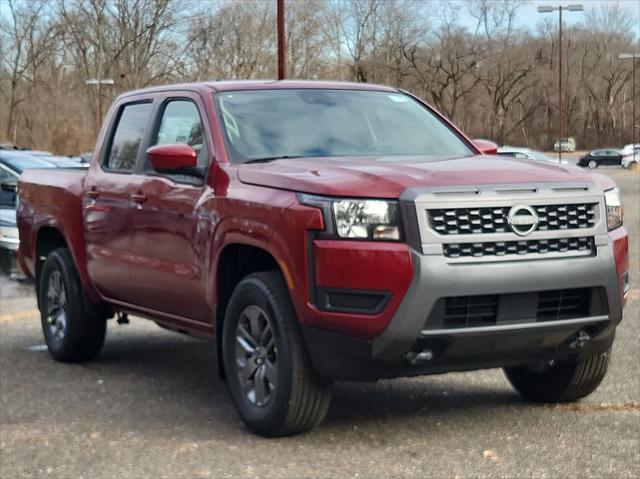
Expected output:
(128, 136)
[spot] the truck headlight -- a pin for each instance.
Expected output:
(358, 218)
(614, 208)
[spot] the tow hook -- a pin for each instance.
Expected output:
(581, 340)
(123, 318)
(421, 357)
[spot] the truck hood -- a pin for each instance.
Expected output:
(388, 177)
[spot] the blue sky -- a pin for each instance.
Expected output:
(528, 16)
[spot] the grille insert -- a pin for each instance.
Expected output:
(486, 220)
(503, 309)
(563, 304)
(465, 311)
(508, 248)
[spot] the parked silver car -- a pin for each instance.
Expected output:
(522, 153)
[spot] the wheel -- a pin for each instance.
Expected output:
(593, 164)
(72, 330)
(271, 379)
(635, 167)
(559, 381)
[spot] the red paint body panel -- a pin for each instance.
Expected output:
(389, 177)
(145, 243)
(362, 265)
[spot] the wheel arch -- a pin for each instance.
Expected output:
(236, 261)
(48, 238)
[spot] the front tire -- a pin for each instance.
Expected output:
(271, 379)
(559, 381)
(593, 164)
(72, 331)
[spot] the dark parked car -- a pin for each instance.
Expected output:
(606, 156)
(12, 164)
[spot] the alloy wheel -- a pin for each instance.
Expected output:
(256, 355)
(57, 310)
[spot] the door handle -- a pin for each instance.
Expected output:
(138, 198)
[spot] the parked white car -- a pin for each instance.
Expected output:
(631, 161)
(630, 148)
(522, 153)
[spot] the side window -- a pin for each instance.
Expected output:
(127, 137)
(181, 123)
(521, 156)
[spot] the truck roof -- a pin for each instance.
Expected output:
(237, 85)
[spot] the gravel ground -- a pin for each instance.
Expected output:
(151, 406)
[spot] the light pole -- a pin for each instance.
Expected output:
(632, 57)
(548, 9)
(99, 83)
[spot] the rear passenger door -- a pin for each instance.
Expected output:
(168, 234)
(108, 191)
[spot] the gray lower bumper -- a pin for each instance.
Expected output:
(435, 278)
(393, 353)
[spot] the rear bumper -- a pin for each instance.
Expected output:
(9, 239)
(396, 351)
(10, 244)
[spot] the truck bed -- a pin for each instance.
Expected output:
(51, 198)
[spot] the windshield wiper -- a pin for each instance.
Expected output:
(267, 159)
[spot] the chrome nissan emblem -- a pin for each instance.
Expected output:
(523, 220)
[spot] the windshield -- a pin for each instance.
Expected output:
(324, 123)
(21, 163)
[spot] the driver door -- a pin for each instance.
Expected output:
(168, 239)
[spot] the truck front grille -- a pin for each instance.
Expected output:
(503, 309)
(508, 248)
(486, 220)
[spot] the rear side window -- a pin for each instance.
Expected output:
(127, 137)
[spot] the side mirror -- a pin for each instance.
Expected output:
(10, 185)
(486, 147)
(169, 158)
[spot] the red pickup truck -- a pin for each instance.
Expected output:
(326, 231)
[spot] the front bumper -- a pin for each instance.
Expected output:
(395, 351)
(8, 243)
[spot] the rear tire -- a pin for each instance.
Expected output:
(635, 167)
(73, 330)
(560, 381)
(271, 379)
